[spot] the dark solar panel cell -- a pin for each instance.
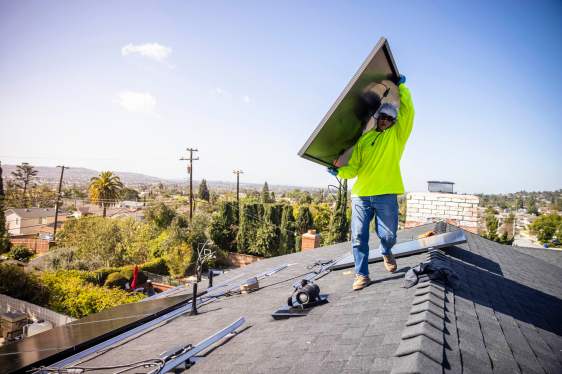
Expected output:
(55, 344)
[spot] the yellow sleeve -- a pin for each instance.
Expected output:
(405, 121)
(352, 168)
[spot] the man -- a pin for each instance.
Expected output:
(375, 162)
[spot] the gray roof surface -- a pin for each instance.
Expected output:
(34, 212)
(504, 317)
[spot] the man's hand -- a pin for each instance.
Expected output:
(402, 79)
(332, 170)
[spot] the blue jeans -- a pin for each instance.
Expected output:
(385, 210)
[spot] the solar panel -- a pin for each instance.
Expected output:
(348, 117)
(55, 344)
(409, 248)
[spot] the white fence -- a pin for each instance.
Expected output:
(9, 304)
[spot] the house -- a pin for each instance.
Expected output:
(501, 316)
(111, 212)
(32, 221)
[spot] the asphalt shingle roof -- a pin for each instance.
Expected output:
(503, 317)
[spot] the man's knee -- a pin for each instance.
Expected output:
(358, 240)
(388, 240)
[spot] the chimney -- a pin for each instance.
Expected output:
(440, 203)
(310, 240)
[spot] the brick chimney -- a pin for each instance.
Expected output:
(310, 240)
(439, 203)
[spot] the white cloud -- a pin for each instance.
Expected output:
(221, 92)
(137, 102)
(246, 99)
(153, 51)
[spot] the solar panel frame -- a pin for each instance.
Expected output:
(341, 128)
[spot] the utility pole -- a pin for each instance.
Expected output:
(238, 172)
(57, 204)
(190, 172)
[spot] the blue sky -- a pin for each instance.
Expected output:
(129, 85)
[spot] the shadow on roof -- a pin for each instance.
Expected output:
(496, 296)
(476, 260)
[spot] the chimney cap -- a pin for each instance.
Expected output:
(440, 186)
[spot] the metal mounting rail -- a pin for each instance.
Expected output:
(175, 361)
(224, 288)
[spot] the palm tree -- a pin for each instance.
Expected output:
(105, 189)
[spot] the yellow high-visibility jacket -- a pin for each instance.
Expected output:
(375, 160)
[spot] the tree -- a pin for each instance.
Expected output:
(265, 195)
(339, 224)
(532, 206)
(509, 224)
(4, 240)
(224, 226)
(203, 191)
(160, 215)
(105, 189)
(304, 223)
(97, 241)
(547, 227)
(287, 231)
(129, 194)
(42, 196)
(491, 226)
(268, 233)
(24, 175)
(251, 215)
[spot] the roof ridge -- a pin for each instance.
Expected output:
(422, 343)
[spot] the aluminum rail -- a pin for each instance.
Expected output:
(409, 248)
(199, 347)
(224, 288)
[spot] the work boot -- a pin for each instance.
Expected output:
(389, 263)
(361, 281)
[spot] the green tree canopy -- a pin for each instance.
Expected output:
(339, 223)
(303, 224)
(492, 225)
(23, 176)
(224, 226)
(160, 215)
(203, 191)
(129, 194)
(4, 240)
(105, 189)
(547, 227)
(287, 231)
(265, 195)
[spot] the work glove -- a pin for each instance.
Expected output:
(402, 79)
(332, 170)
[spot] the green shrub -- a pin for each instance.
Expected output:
(156, 266)
(128, 273)
(15, 282)
(100, 275)
(178, 259)
(116, 280)
(20, 253)
(71, 295)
